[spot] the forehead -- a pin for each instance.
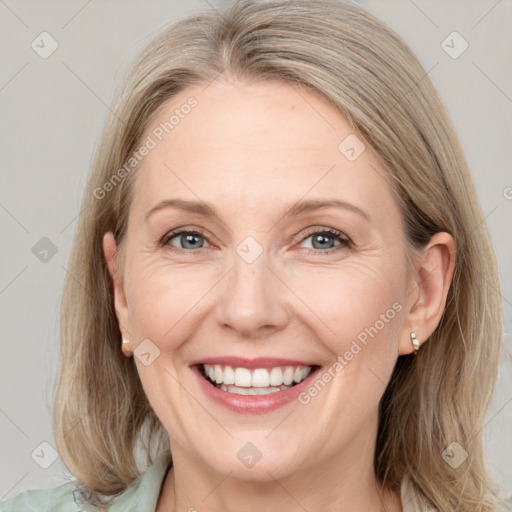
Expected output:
(244, 145)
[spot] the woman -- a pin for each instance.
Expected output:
(281, 289)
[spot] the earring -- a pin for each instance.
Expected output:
(127, 351)
(415, 342)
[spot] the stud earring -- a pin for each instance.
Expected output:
(127, 351)
(415, 342)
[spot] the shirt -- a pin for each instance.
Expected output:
(142, 495)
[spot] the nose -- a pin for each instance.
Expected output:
(253, 300)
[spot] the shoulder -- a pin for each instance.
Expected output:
(505, 506)
(414, 502)
(56, 499)
(411, 500)
(141, 495)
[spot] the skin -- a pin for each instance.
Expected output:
(251, 150)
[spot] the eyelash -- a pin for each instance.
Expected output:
(345, 242)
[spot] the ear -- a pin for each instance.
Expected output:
(431, 281)
(120, 304)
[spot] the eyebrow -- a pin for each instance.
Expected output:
(302, 206)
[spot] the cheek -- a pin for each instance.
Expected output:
(163, 298)
(355, 304)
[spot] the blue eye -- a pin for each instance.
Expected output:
(322, 241)
(186, 239)
(325, 240)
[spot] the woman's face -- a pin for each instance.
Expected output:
(267, 282)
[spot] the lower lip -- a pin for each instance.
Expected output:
(252, 404)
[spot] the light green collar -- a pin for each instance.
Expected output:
(142, 495)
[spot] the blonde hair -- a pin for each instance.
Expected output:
(367, 72)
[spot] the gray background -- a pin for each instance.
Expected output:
(52, 112)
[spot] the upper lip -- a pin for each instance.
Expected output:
(258, 362)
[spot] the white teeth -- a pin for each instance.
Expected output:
(301, 373)
(252, 391)
(276, 377)
(229, 375)
(260, 378)
(257, 379)
(288, 375)
(242, 377)
(219, 375)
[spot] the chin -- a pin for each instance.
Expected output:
(256, 459)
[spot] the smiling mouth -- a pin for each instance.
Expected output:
(258, 381)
